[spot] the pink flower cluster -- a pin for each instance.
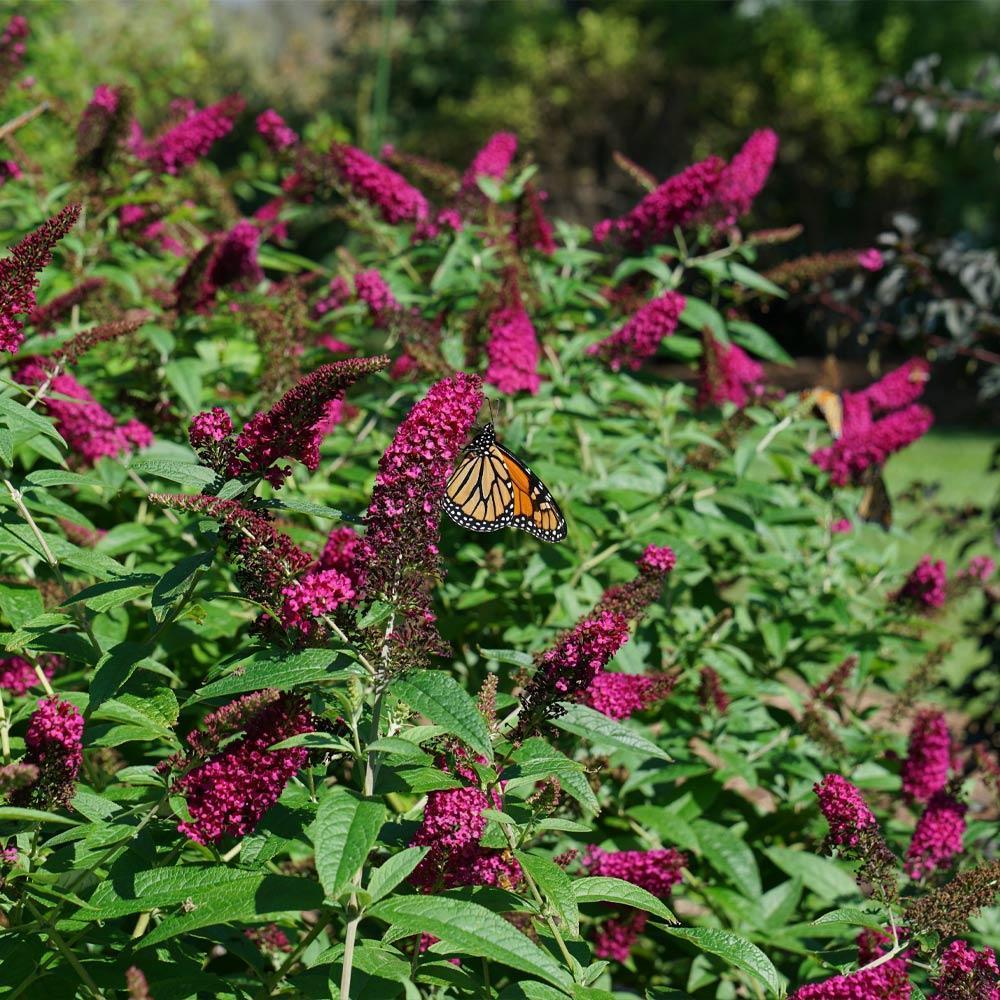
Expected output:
(513, 346)
(9, 171)
(866, 442)
(567, 669)
(230, 792)
(319, 592)
(618, 696)
(233, 263)
(12, 47)
(493, 160)
(342, 553)
(967, 973)
(19, 274)
(871, 259)
(728, 375)
(337, 295)
(190, 139)
(937, 839)
(925, 770)
(888, 981)
(980, 568)
(842, 526)
(272, 128)
(851, 454)
(409, 488)
(678, 201)
(746, 174)
(375, 292)
(900, 387)
(711, 693)
(18, 676)
(209, 427)
(637, 341)
(532, 229)
(615, 937)
(89, 430)
(705, 191)
(657, 559)
(926, 586)
(297, 423)
(846, 812)
(54, 742)
(396, 199)
(452, 827)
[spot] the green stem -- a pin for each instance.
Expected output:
(56, 938)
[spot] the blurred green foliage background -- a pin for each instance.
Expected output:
(663, 82)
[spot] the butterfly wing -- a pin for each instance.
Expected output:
(832, 407)
(480, 495)
(535, 510)
(876, 504)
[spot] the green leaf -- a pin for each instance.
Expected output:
(388, 875)
(176, 581)
(730, 856)
(444, 701)
(758, 341)
(115, 667)
(749, 277)
(825, 878)
(514, 656)
(598, 728)
(556, 886)
(184, 376)
(114, 593)
(274, 668)
(698, 314)
(602, 889)
(853, 917)
(472, 930)
(185, 473)
(306, 507)
(14, 814)
(343, 833)
(668, 825)
(20, 604)
(736, 950)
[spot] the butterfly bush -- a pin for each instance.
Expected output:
(928, 759)
(229, 793)
(637, 341)
(54, 744)
(396, 200)
(926, 586)
(493, 160)
(966, 972)
(937, 839)
(457, 753)
(728, 375)
(184, 144)
(513, 345)
(19, 274)
(89, 429)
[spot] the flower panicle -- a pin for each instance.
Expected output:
(228, 794)
(76, 347)
(711, 692)
(19, 274)
(190, 139)
(54, 743)
(965, 973)
(634, 598)
(295, 425)
(727, 374)
(102, 128)
(926, 586)
(947, 909)
(512, 348)
(831, 688)
(89, 430)
(275, 131)
(390, 193)
(928, 758)
(633, 344)
(937, 839)
(493, 160)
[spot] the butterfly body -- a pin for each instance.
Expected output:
(493, 489)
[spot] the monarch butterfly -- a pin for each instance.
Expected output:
(493, 489)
